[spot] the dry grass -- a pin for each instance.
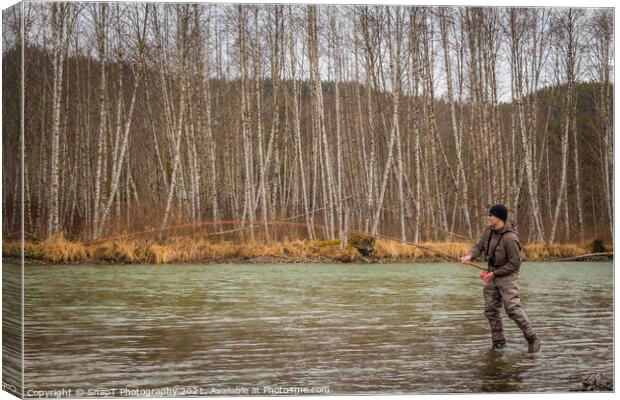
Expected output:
(536, 251)
(346, 255)
(393, 250)
(122, 252)
(455, 249)
(14, 249)
(589, 244)
(390, 249)
(180, 250)
(543, 251)
(566, 250)
(297, 249)
(327, 243)
(11, 248)
(190, 249)
(57, 249)
(156, 254)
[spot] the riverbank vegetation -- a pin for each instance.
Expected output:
(200, 250)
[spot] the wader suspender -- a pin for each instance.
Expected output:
(491, 255)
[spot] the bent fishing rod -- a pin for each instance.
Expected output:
(249, 224)
(443, 253)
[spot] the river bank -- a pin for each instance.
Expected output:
(57, 250)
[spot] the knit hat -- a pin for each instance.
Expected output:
(500, 211)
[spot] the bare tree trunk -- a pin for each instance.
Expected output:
(335, 48)
(431, 117)
(248, 206)
(370, 57)
(123, 147)
(414, 14)
(359, 127)
(100, 16)
(256, 51)
(567, 31)
(119, 153)
(204, 71)
(526, 104)
(297, 127)
(62, 24)
(575, 59)
(603, 53)
(319, 120)
(194, 168)
(564, 165)
(461, 179)
(395, 57)
(395, 127)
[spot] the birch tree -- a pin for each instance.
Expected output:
(62, 20)
(124, 125)
(601, 44)
(99, 13)
(297, 125)
(248, 206)
(461, 179)
(319, 120)
(528, 51)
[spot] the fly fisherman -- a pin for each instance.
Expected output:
(500, 245)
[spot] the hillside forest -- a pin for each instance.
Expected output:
(403, 121)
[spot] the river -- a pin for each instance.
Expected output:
(337, 329)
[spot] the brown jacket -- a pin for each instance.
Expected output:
(507, 251)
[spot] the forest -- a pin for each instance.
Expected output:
(403, 121)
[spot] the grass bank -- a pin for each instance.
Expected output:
(195, 250)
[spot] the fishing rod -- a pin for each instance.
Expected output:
(451, 233)
(147, 231)
(443, 253)
(284, 222)
(248, 225)
(188, 226)
(450, 256)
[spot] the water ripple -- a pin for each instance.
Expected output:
(358, 329)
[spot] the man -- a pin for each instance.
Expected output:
(500, 245)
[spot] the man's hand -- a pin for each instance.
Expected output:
(487, 276)
(466, 259)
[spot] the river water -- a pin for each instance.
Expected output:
(348, 329)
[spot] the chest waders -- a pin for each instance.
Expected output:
(491, 254)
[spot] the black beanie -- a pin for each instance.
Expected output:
(500, 211)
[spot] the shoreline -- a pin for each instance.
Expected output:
(37, 262)
(58, 251)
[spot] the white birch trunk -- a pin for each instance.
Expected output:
(123, 147)
(393, 133)
(297, 129)
(62, 20)
(248, 206)
(100, 26)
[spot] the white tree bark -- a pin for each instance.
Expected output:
(63, 18)
(393, 132)
(319, 121)
(297, 127)
(526, 62)
(99, 13)
(248, 206)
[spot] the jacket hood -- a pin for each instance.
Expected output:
(508, 227)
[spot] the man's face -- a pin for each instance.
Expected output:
(494, 222)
